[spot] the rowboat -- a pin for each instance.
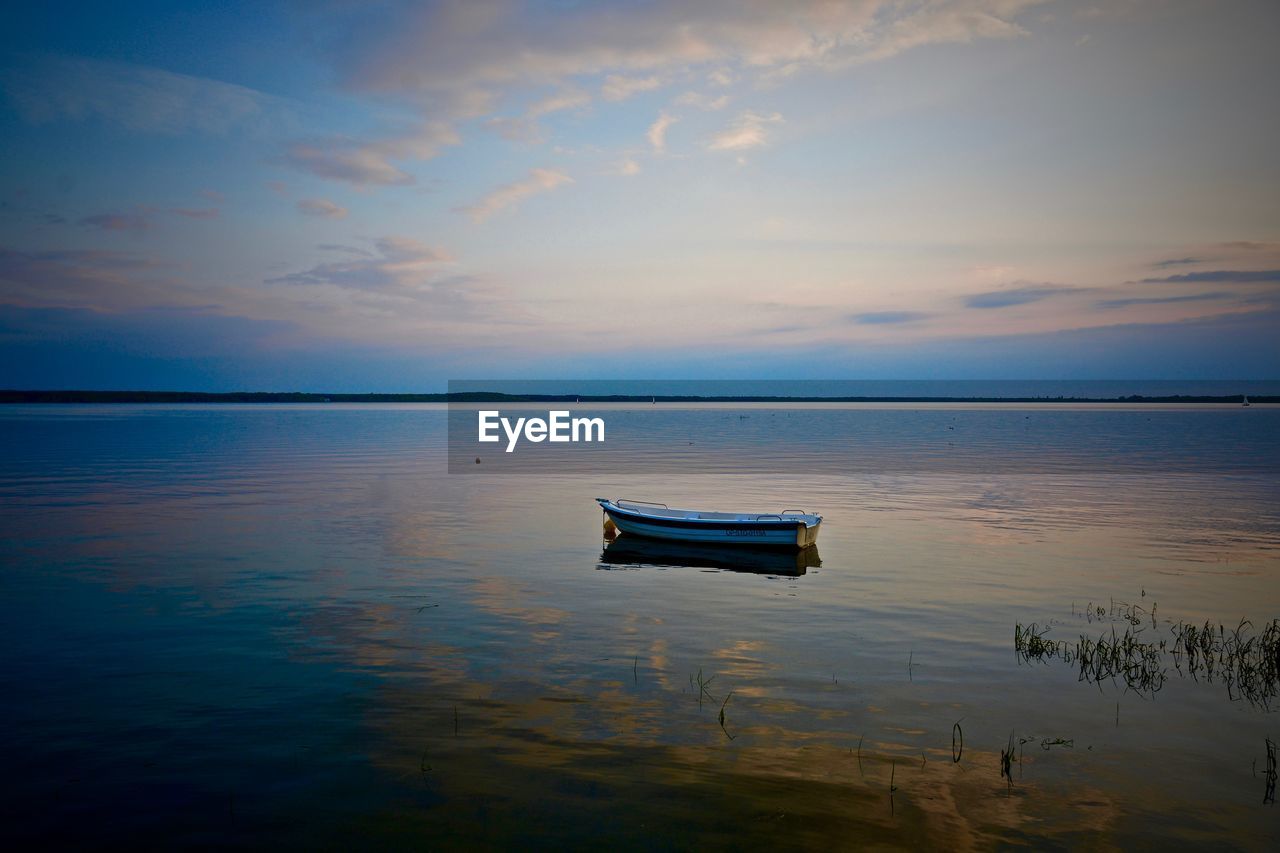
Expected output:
(791, 528)
(629, 552)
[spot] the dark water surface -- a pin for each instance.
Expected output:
(289, 625)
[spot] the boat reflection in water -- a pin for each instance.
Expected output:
(638, 551)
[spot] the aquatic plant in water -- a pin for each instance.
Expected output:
(1247, 663)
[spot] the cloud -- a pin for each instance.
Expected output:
(346, 160)
(1251, 253)
(401, 265)
(878, 318)
(992, 272)
(137, 221)
(398, 292)
(1231, 276)
(702, 102)
(143, 348)
(1177, 262)
(141, 218)
(338, 247)
(277, 187)
(747, 131)
(1107, 304)
(105, 259)
(627, 168)
(321, 207)
(213, 195)
(1015, 296)
(619, 88)
(398, 289)
(195, 213)
(962, 22)
(369, 162)
(48, 89)
(566, 99)
(1250, 245)
(516, 129)
(510, 195)
(95, 279)
(657, 133)
(526, 128)
(436, 55)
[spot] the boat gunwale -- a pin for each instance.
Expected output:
(774, 521)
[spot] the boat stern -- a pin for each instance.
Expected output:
(807, 534)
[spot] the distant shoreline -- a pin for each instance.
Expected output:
(493, 397)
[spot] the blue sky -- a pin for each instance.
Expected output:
(383, 196)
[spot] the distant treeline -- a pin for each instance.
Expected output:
(494, 397)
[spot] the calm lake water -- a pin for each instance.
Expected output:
(290, 625)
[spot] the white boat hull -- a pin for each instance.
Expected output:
(771, 531)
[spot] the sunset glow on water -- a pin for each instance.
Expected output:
(231, 621)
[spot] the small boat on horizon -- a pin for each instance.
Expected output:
(792, 528)
(1246, 402)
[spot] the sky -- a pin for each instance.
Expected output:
(383, 196)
